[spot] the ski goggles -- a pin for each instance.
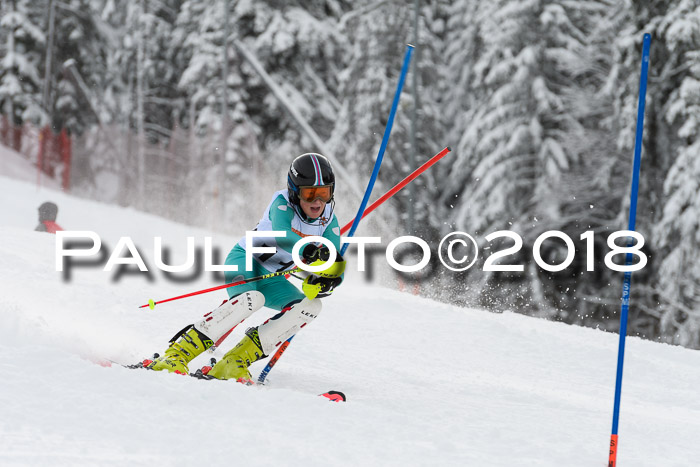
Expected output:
(312, 193)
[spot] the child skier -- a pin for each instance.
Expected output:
(305, 208)
(47, 218)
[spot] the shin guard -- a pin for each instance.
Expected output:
(219, 323)
(284, 325)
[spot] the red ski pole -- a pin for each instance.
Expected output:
(151, 304)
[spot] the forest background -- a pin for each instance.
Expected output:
(170, 113)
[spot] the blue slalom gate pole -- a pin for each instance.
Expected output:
(365, 199)
(382, 148)
(626, 284)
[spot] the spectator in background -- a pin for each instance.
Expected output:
(47, 218)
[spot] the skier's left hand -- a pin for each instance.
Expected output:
(321, 283)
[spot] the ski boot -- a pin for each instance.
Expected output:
(234, 365)
(184, 347)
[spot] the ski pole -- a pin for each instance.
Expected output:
(368, 190)
(151, 304)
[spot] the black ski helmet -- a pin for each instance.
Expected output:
(310, 169)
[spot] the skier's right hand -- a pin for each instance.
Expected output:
(321, 283)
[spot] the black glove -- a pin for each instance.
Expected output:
(312, 253)
(327, 284)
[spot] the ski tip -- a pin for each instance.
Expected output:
(334, 396)
(151, 304)
(449, 149)
(103, 362)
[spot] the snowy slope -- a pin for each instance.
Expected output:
(427, 383)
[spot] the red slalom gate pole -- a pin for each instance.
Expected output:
(426, 165)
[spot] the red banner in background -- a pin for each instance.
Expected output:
(53, 150)
(66, 148)
(11, 135)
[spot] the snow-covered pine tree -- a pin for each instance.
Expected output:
(77, 37)
(378, 33)
(163, 106)
(377, 39)
(659, 307)
(531, 64)
(676, 234)
(139, 102)
(202, 30)
(23, 41)
(300, 46)
(431, 126)
(592, 192)
(121, 96)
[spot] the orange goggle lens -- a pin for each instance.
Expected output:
(311, 193)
